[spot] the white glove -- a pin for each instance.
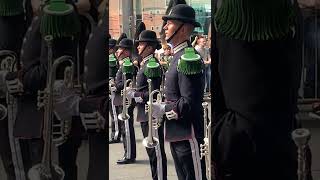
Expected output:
(158, 109)
(138, 99)
(66, 102)
(130, 93)
(14, 86)
(171, 115)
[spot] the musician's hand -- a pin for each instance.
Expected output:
(14, 85)
(171, 115)
(158, 109)
(138, 99)
(130, 92)
(66, 101)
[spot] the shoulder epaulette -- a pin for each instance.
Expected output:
(152, 69)
(190, 63)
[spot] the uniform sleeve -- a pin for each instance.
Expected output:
(35, 77)
(183, 105)
(144, 94)
(119, 81)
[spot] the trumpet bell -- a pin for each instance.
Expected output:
(150, 144)
(40, 172)
(3, 112)
(123, 118)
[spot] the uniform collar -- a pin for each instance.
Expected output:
(180, 47)
(147, 58)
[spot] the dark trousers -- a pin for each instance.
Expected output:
(113, 125)
(68, 151)
(186, 156)
(31, 150)
(5, 150)
(98, 157)
(127, 133)
(157, 155)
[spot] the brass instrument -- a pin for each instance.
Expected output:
(3, 112)
(124, 116)
(10, 63)
(7, 64)
(301, 138)
(115, 118)
(46, 170)
(150, 141)
(205, 149)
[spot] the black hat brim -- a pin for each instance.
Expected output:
(182, 19)
(148, 40)
(124, 46)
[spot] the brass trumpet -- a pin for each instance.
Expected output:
(150, 141)
(205, 149)
(124, 116)
(46, 170)
(7, 64)
(301, 138)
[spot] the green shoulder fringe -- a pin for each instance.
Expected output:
(254, 20)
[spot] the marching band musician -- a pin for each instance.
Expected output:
(12, 29)
(94, 104)
(183, 91)
(32, 78)
(127, 130)
(259, 69)
(148, 43)
(115, 134)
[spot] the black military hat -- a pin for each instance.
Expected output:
(112, 43)
(125, 43)
(150, 37)
(183, 13)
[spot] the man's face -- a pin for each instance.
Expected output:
(202, 42)
(111, 50)
(170, 27)
(121, 53)
(167, 51)
(141, 47)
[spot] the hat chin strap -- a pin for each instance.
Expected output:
(175, 32)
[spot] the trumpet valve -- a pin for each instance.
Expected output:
(41, 99)
(121, 92)
(146, 108)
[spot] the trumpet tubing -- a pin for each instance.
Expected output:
(124, 116)
(205, 148)
(46, 170)
(150, 141)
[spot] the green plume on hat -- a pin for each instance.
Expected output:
(127, 66)
(59, 20)
(190, 62)
(152, 69)
(11, 7)
(112, 60)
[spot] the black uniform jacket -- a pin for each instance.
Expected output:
(119, 85)
(34, 59)
(184, 95)
(143, 90)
